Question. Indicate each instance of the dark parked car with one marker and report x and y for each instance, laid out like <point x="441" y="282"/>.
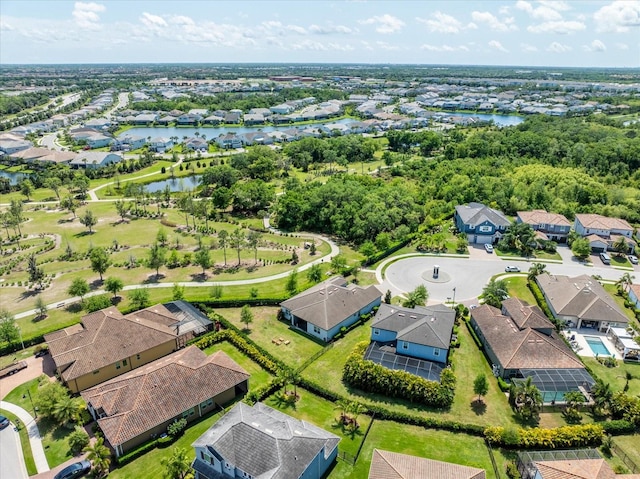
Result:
<point x="77" y="469"/>
<point x="4" y="422"/>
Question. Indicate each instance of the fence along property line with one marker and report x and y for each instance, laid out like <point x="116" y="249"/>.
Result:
<point x="633" y="467"/>
<point x="493" y="459"/>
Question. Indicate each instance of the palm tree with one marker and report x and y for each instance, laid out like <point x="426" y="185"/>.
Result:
<point x="620" y="246"/>
<point x="525" y="397"/>
<point x="495" y="292"/>
<point x="625" y="281"/>
<point x="536" y="270"/>
<point x="99" y="455"/>
<point x="602" y="394"/>
<point x="178" y="464"/>
<point x="67" y="410"/>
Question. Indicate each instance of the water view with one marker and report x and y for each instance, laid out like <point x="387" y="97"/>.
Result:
<point x="175" y="184"/>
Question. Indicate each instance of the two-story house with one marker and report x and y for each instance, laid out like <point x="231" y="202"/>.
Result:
<point x="602" y="231"/>
<point x="555" y="226"/>
<point x="480" y="223"/>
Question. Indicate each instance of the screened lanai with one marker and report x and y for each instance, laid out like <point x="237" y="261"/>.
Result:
<point x="554" y="383"/>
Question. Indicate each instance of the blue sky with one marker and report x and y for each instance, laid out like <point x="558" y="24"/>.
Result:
<point x="518" y="32"/>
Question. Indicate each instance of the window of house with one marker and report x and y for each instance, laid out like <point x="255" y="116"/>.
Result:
<point x="138" y="357"/>
<point x="436" y="352"/>
<point x="485" y="229"/>
<point x="124" y="362"/>
<point x="118" y="365"/>
<point x="376" y="331"/>
<point x="316" y="329"/>
<point x="96" y="371"/>
<point x="405" y="345"/>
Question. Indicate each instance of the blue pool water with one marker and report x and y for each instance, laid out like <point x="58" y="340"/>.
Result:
<point x="597" y="346"/>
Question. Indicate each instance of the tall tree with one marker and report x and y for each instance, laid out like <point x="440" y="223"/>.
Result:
<point x="9" y="332"/>
<point x="100" y="260"/>
<point x="536" y="269"/>
<point x="178" y="465"/>
<point x="157" y="258"/>
<point x="79" y="287"/>
<point x="625" y="281"/>
<point x="113" y="285"/>
<point x="237" y="240"/>
<point x="253" y="238"/>
<point x="89" y="220"/>
<point x="203" y="258"/>
<point x="26" y="188"/>
<point x="36" y="274"/>
<point x="223" y="238"/>
<point x="417" y="297"/>
<point x="525" y="397"/>
<point x="246" y="316"/>
<point x="495" y="292"/>
<point x="480" y="386"/>
<point x="54" y="183"/>
<point x="100" y="457"/>
<point x="581" y="248"/>
<point x="15" y="213"/>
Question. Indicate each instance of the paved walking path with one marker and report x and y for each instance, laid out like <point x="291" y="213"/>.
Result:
<point x="34" y="434"/>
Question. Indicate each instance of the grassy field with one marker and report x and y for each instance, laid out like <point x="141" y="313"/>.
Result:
<point x="266" y="327"/>
<point x="612" y="289"/>
<point x="24" y="441"/>
<point x="517" y="287"/>
<point x="468" y="362"/>
<point x="616" y="376"/>
<point x="259" y="377"/>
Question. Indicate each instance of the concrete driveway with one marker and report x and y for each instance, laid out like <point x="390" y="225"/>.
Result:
<point x="11" y="456"/>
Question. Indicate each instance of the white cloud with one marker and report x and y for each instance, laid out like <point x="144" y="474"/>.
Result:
<point x="86" y="14"/>
<point x="444" y="48"/>
<point x="557" y="47"/>
<point x="595" y="46"/>
<point x="618" y="16"/>
<point x="385" y="23"/>
<point x="319" y="46"/>
<point x="327" y="30"/>
<point x="622" y="46"/>
<point x="504" y="10"/>
<point x="386" y="46"/>
<point x="182" y="20"/>
<point x="562" y="27"/>
<point x="544" y="12"/>
<point x="493" y="22"/>
<point x="525" y="47"/>
<point x="297" y="29"/>
<point x="153" y="21"/>
<point x="5" y="26"/>
<point x="443" y="23"/>
<point x="496" y="45"/>
<point x="556" y="5"/>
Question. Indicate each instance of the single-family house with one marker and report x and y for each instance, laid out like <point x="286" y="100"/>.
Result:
<point x="166" y="120"/>
<point x="98" y="123"/>
<point x="581" y="302"/>
<point x="98" y="141"/>
<point x="160" y="144"/>
<point x="253" y="119"/>
<point x="634" y="295"/>
<point x="95" y="159"/>
<point x="422" y="332"/>
<point x="480" y="223"/>
<point x="233" y="118"/>
<point x="129" y="142"/>
<point x="392" y="465"/>
<point x="145" y="118"/>
<point x="566" y="464"/>
<point x="213" y="120"/>
<point x="603" y="226"/>
<point x="188" y="119"/>
<point x="282" y="109"/>
<point x="139" y="405"/>
<point x="196" y="144"/>
<point x="9" y="146"/>
<point x="519" y="341"/>
<point x="555" y="226"/>
<point x="44" y="155"/>
<point x="107" y="343"/>
<point x="256" y="138"/>
<point x="261" y="442"/>
<point x="229" y="141"/>
<point x="328" y="306"/>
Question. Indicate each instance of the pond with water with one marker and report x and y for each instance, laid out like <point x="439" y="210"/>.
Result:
<point x="185" y="183"/>
<point x="14" y="176"/>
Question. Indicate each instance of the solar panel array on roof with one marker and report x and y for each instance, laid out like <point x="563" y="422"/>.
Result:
<point x="425" y="369"/>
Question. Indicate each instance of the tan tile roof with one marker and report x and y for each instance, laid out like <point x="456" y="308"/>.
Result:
<point x="522" y="349"/>
<point x="391" y="465"/>
<point x="538" y="217"/>
<point x="139" y="400"/>
<point x="589" y="220"/>
<point x="331" y="302"/>
<point x="575" y="469"/>
<point x="580" y="297"/>
<point x="525" y="315"/>
<point x="104" y="338"/>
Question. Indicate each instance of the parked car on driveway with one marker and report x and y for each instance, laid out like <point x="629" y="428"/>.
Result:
<point x="512" y="269"/>
<point x="489" y="248"/>
<point x="77" y="469"/>
<point x="633" y="259"/>
<point x="4" y="422"/>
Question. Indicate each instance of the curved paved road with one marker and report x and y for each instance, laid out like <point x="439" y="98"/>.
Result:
<point x="34" y="435"/>
<point x="11" y="456"/>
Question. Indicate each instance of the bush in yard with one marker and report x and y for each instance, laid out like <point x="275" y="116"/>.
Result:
<point x="512" y="471"/>
<point x="585" y="435"/>
<point x="176" y="427"/>
<point x="96" y="303"/>
<point x="78" y="439"/>
<point x="623" y="406"/>
<point x="371" y="377"/>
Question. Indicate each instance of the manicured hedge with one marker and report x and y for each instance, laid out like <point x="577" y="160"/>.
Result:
<point x="374" y="378"/>
<point x="583" y="435"/>
<point x="537" y="293"/>
<point x="617" y="427"/>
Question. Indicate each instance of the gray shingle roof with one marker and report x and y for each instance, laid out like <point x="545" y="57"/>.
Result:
<point x="429" y="326"/>
<point x="266" y="443"/>
<point x="474" y="214"/>
<point x="329" y="303"/>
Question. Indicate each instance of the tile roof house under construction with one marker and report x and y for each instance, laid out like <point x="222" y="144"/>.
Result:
<point x="107" y="343"/>
<point x="326" y="307"/>
<point x="139" y="405"/>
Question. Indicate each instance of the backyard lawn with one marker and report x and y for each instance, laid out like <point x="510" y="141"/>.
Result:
<point x="616" y="376"/>
<point x="259" y="377"/>
<point x="517" y="287"/>
<point x="266" y="327"/>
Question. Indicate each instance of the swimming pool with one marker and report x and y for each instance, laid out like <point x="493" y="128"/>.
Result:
<point x="597" y="346"/>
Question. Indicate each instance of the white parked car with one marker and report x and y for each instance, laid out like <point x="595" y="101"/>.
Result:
<point x="512" y="269"/>
<point x="633" y="259"/>
<point x="489" y="248"/>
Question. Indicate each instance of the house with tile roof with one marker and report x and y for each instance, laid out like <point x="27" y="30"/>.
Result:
<point x="581" y="302"/>
<point x="261" y="442"/>
<point x="567" y="464"/>
<point x="391" y="465"/>
<point x="328" y="306"/>
<point x="554" y="226"/>
<point x="603" y="231"/>
<point x="420" y="332"/>
<point x="139" y="405"/>
<point x="480" y="223"/>
<point x="519" y="341"/>
<point x="107" y="343"/>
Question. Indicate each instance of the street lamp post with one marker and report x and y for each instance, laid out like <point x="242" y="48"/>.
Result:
<point x="35" y="410"/>
<point x="20" y="333"/>
<point x="454" y="297"/>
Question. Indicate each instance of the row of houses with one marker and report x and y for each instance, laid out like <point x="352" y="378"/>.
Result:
<point x="485" y="225"/>
<point x="82" y="159"/>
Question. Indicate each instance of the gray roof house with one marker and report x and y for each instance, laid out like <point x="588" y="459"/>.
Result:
<point x="420" y="332"/>
<point x="581" y="302"/>
<point x="480" y="223"/>
<point x="260" y="442"/>
<point x="328" y="306"/>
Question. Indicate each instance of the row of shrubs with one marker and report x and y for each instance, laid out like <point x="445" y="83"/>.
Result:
<point x="374" y="378"/>
<point x="537" y="294"/>
<point x="583" y="435"/>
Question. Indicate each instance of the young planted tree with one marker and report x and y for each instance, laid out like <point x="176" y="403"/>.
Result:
<point x="122" y="209"/>
<point x="292" y="282"/>
<point x="157" y="258"/>
<point x="79" y="287"/>
<point x="253" y="238"/>
<point x="139" y="298"/>
<point x="314" y="273"/>
<point x="387" y="297"/>
<point x="480" y="386"/>
<point x="162" y="238"/>
<point x="100" y="260"/>
<point x="223" y="241"/>
<point x="36" y="274"/>
<point x="178" y="465"/>
<point x="26" y="188"/>
<point x="338" y="264"/>
<point x="54" y="185"/>
<point x="113" y="285"/>
<point x="246" y="316"/>
<point x="237" y="240"/>
<point x="203" y="259"/>
<point x="69" y="203"/>
<point x="620" y="246"/>
<point x="41" y="308"/>
<point x="9" y="332"/>
<point x="178" y="292"/>
<point x="89" y="220"/>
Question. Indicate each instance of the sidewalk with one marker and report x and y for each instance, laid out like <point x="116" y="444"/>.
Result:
<point x="34" y="435"/>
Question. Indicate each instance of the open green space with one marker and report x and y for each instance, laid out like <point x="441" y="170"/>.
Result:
<point x="616" y="376"/>
<point x="517" y="287"/>
<point x="24" y="441"/>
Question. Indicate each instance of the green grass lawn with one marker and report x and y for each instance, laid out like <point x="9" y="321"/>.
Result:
<point x="616" y="376"/>
<point x="439" y="445"/>
<point x="629" y="446"/>
<point x="322" y="413"/>
<point x="612" y="289"/>
<point x="259" y="377"/>
<point x="24" y="442"/>
<point x="266" y="327"/>
<point x="517" y="287"/>
<point x="468" y="362"/>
